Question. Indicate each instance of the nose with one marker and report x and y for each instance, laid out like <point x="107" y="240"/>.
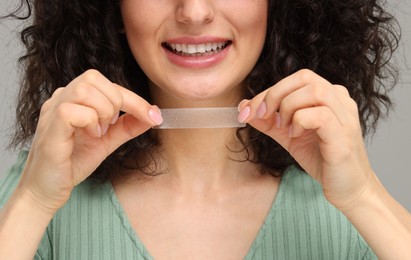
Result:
<point x="195" y="12"/>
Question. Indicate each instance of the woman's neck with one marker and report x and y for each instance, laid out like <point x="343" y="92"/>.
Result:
<point x="204" y="159"/>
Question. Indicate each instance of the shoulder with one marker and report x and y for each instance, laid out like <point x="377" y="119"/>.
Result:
<point x="318" y="229"/>
<point x="92" y="225"/>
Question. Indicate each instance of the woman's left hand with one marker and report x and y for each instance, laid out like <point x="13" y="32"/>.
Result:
<point x="318" y="124"/>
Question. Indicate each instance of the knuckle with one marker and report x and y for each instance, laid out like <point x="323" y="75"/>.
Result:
<point x="271" y="94"/>
<point x="117" y="102"/>
<point x="298" y="116"/>
<point x="306" y="75"/>
<point x="57" y="92"/>
<point x="272" y="99"/>
<point x="284" y="107"/>
<point x="46" y="106"/>
<point x="107" y="114"/>
<point x="352" y="106"/>
<point x="91" y="75"/>
<point x="342" y="90"/>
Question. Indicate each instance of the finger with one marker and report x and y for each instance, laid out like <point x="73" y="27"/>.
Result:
<point x="73" y="116"/>
<point x="323" y="121"/>
<point x="56" y="130"/>
<point x="57" y="92"/>
<point x="126" y="128"/>
<point x="88" y="95"/>
<point x="343" y="91"/>
<point x="349" y="102"/>
<point x="138" y="118"/>
<point x="139" y="108"/>
<point x="100" y="82"/>
<point x="267" y="103"/>
<point x="94" y="90"/>
<point x="109" y="90"/>
<point x="310" y="96"/>
<point x="108" y="99"/>
<point x="268" y="127"/>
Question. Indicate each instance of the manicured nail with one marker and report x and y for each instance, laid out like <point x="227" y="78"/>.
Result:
<point x="262" y="109"/>
<point x="244" y="114"/>
<point x="241" y="103"/>
<point x="155" y="115"/>
<point x="114" y="119"/>
<point x="278" y="120"/>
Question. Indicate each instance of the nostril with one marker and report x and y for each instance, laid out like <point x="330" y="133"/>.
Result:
<point x="195" y="12"/>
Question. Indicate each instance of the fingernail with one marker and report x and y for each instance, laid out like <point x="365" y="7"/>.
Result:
<point x="114" y="119"/>
<point x="241" y="103"/>
<point x="278" y="120"/>
<point x="155" y="115"/>
<point x="244" y="114"/>
<point x="290" y="132"/>
<point x="99" y="130"/>
<point x="262" y="109"/>
<point x="104" y="130"/>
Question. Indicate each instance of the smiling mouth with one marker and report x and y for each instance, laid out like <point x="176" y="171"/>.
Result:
<point x="203" y="49"/>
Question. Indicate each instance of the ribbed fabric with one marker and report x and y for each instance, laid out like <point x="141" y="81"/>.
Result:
<point x="301" y="224"/>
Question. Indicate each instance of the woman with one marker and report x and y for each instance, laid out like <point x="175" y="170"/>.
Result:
<point x="99" y="183"/>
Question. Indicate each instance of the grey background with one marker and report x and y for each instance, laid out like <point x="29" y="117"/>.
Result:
<point x="388" y="148"/>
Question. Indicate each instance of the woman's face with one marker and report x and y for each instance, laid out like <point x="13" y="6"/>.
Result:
<point x="195" y="52"/>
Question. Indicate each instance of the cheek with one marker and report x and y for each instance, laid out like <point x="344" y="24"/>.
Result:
<point x="138" y="19"/>
<point x="251" y="24"/>
<point x="250" y="21"/>
<point x="247" y="14"/>
<point x="139" y="28"/>
<point x="257" y="20"/>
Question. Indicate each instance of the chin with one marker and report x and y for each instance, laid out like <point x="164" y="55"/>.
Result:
<point x="196" y="90"/>
<point x="199" y="98"/>
<point x="195" y="94"/>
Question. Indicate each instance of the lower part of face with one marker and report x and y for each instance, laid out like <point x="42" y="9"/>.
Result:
<point x="195" y="52"/>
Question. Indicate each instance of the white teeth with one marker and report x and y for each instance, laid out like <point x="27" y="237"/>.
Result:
<point x="214" y="46"/>
<point x="183" y="48"/>
<point x="201" y="48"/>
<point x="191" y="49"/>
<point x="197" y="48"/>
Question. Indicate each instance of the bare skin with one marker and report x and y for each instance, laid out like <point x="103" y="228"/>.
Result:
<point x="321" y="132"/>
<point x="317" y="124"/>
<point x="193" y="212"/>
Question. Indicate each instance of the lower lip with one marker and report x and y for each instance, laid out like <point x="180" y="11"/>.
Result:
<point x="197" y="61"/>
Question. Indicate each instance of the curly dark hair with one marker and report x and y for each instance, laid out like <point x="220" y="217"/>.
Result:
<point x="348" y="42"/>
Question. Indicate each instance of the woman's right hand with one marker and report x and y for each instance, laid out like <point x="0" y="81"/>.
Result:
<point x="79" y="126"/>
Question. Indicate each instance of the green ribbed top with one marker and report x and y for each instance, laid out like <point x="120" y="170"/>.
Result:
<point x="301" y="224"/>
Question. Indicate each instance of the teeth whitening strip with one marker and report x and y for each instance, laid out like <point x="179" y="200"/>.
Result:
<point x="215" y="117"/>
